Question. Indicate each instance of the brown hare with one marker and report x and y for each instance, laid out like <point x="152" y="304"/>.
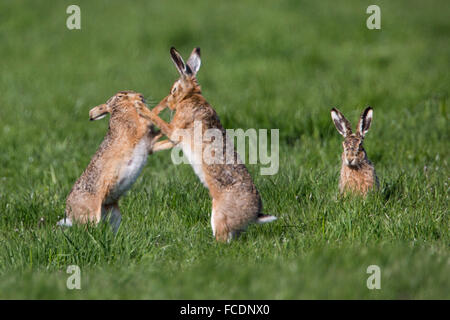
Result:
<point x="357" y="172"/>
<point x="116" y="164"/>
<point x="235" y="199"/>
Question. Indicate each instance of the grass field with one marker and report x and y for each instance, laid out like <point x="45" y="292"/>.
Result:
<point x="265" y="65"/>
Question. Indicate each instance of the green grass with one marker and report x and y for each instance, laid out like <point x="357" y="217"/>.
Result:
<point x="264" y="65"/>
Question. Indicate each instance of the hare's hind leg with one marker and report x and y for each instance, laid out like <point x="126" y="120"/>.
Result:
<point x="82" y="210"/>
<point x="111" y="213"/>
<point x="213" y="223"/>
<point x="220" y="230"/>
<point x="65" y="222"/>
<point x="219" y="224"/>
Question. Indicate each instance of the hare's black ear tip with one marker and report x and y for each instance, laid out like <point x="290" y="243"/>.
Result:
<point x="333" y="109"/>
<point x="172" y="50"/>
<point x="197" y="50"/>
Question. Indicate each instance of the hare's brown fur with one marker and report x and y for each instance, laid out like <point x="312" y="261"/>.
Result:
<point x="235" y="199"/>
<point x="358" y="174"/>
<point x="359" y="179"/>
<point x="117" y="162"/>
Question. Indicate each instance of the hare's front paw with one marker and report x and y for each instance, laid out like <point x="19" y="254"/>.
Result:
<point x="143" y="111"/>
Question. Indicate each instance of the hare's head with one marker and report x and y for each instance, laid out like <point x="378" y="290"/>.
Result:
<point x="187" y="84"/>
<point x="121" y="103"/>
<point x="354" y="153"/>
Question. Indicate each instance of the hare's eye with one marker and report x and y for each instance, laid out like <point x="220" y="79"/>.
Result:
<point x="174" y="89"/>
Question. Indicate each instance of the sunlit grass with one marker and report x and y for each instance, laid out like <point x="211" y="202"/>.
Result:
<point x="264" y="65"/>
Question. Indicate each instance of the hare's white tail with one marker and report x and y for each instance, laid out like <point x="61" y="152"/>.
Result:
<point x="265" y="218"/>
<point x="65" y="222"/>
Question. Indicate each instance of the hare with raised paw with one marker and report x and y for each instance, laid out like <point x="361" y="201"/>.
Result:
<point x="116" y="164"/>
<point x="235" y="200"/>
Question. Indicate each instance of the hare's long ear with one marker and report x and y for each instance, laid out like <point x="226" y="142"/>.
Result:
<point x="341" y="123"/>
<point x="178" y="61"/>
<point x="194" y="61"/>
<point x="365" y="121"/>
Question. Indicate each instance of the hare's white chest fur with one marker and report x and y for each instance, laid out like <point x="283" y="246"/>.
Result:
<point x="130" y="169"/>
<point x="195" y="159"/>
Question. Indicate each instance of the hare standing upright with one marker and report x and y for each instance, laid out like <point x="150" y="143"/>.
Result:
<point x="357" y="172"/>
<point x="116" y="164"/>
<point x="235" y="199"/>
